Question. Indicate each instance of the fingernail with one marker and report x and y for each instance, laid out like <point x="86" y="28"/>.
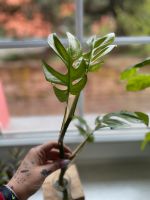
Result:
<point x="64" y="163"/>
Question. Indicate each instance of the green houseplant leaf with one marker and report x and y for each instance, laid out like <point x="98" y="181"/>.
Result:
<point x="121" y="119"/>
<point x="84" y="129"/>
<point x="76" y="63"/>
<point x="135" y="80"/>
<point x="99" y="47"/>
<point x="75" y="78"/>
<point x="74" y="48"/>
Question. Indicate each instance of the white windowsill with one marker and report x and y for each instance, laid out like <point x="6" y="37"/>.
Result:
<point x="36" y="130"/>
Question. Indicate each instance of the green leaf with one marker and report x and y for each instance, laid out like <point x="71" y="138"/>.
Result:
<point x="58" y="47"/>
<point x="100" y="47"/>
<point x="81" y="130"/>
<point x="95" y="67"/>
<point x="91" y="40"/>
<point x="102" y="53"/>
<point x="145" y="141"/>
<point x="52" y="75"/>
<point x="138" y="82"/>
<point x="62" y="95"/>
<point x="78" y="64"/>
<point x="78" y="72"/>
<point x="114" y="123"/>
<point x="143" y="117"/>
<point x="77" y="87"/>
<point x="128" y="73"/>
<point x="81" y="120"/>
<point x="146" y="62"/>
<point x="121" y="119"/>
<point x="107" y="39"/>
<point x="134" y="117"/>
<point x="75" y="50"/>
<point x="84" y="129"/>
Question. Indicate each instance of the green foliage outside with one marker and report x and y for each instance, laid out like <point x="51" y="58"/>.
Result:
<point x="137" y="81"/>
<point x="8" y="167"/>
<point x="134" y="17"/>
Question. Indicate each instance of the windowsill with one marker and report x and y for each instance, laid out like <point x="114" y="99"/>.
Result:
<point x="35" y="130"/>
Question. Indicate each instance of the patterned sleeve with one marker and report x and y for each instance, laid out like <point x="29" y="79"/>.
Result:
<point x="7" y="194"/>
<point x="1" y="196"/>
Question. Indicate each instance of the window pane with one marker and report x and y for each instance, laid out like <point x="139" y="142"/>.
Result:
<point x="35" y="18"/>
<point x="105" y="92"/>
<point x="122" y="17"/>
<point x="27" y="92"/>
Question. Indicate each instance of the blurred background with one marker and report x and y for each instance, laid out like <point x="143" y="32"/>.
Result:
<point x="26" y="90"/>
<point x="28" y="94"/>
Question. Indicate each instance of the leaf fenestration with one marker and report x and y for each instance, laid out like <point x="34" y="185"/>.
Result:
<point x="62" y="95"/>
<point x="77" y="63"/>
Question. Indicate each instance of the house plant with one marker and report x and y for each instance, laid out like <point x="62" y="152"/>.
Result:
<point x="68" y="86"/>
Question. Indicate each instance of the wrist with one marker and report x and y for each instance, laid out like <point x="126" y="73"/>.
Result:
<point x="8" y="193"/>
<point x="17" y="190"/>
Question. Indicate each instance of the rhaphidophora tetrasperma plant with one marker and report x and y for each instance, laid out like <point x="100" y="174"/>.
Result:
<point x="68" y="86"/>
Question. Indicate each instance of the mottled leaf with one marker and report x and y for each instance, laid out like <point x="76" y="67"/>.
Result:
<point x="107" y="39"/>
<point x="78" y="72"/>
<point x="62" y="95"/>
<point x="84" y="129"/>
<point x="58" y="47"/>
<point x="52" y="75"/>
<point x="77" y="87"/>
<point x="74" y="49"/>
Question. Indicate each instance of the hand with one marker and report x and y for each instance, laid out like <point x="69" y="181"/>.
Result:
<point x="39" y="162"/>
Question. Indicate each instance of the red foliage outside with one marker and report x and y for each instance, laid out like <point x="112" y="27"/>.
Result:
<point x="25" y="21"/>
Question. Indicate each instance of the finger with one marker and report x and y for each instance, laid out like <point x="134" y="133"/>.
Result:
<point x="50" y="145"/>
<point x="55" y="155"/>
<point x="50" y="168"/>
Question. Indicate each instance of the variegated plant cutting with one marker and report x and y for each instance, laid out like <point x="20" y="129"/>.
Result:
<point x="68" y="86"/>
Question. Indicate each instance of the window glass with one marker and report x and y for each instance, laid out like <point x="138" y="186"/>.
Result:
<point x="27" y="92"/>
<point x="35" y="18"/>
<point x="105" y="92"/>
<point x="122" y="17"/>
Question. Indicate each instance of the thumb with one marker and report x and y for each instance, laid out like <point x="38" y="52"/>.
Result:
<point x="50" y="168"/>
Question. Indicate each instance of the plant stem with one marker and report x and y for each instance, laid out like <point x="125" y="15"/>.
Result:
<point x="79" y="147"/>
<point x="69" y="113"/>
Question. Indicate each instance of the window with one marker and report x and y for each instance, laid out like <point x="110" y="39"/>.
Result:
<point x="27" y="91"/>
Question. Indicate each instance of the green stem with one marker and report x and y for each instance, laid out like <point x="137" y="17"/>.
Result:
<point x="79" y="147"/>
<point x="66" y="121"/>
